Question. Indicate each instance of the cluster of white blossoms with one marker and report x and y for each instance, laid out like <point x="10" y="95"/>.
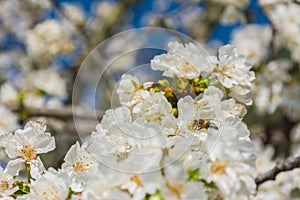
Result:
<point x="37" y="89"/>
<point x="269" y="86"/>
<point x="178" y="138"/>
<point x="273" y="51"/>
<point x="287" y="24"/>
<point x="233" y="11"/>
<point x="182" y="137"/>
<point x="47" y="40"/>
<point x="286" y="184"/>
<point x="229" y="69"/>
<point x="253" y="41"/>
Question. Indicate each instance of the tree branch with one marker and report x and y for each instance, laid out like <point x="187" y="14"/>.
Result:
<point x="68" y="126"/>
<point x="281" y="166"/>
<point x="79" y="29"/>
<point x="62" y="113"/>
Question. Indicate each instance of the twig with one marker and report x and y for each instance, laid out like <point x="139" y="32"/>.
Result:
<point x="79" y="29"/>
<point x="210" y="18"/>
<point x="63" y="113"/>
<point x="68" y="126"/>
<point x="281" y="166"/>
<point x="107" y="29"/>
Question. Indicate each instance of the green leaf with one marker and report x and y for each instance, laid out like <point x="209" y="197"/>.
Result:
<point x="155" y="196"/>
<point x="208" y="184"/>
<point x="193" y="174"/>
<point x="24" y="188"/>
<point x="163" y="82"/>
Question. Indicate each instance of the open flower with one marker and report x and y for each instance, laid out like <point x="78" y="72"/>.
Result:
<point x="230" y="166"/>
<point x="25" y="145"/>
<point x="50" y="82"/>
<point x="233" y="72"/>
<point x="78" y="163"/>
<point x="51" y="185"/>
<point x="183" y="60"/>
<point x="130" y="91"/>
<point x="6" y="184"/>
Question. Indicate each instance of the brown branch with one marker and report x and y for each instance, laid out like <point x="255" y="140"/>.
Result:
<point x="281" y="166"/>
<point x="62" y="113"/>
<point x="79" y="29"/>
<point x="210" y="18"/>
<point x="274" y="33"/>
<point x="107" y="29"/>
<point x="68" y="126"/>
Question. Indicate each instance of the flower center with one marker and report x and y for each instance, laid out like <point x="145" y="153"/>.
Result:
<point x="3" y="185"/>
<point x="175" y="189"/>
<point x="80" y="166"/>
<point x="219" y="167"/>
<point x="188" y="67"/>
<point x="136" y="180"/>
<point x="28" y="153"/>
<point x="137" y="96"/>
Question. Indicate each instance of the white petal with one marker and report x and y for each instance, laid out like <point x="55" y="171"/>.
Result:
<point x="14" y="166"/>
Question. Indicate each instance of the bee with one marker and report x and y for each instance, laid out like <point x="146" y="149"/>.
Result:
<point x="203" y="124"/>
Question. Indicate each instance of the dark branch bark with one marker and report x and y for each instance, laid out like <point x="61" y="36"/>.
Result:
<point x="63" y="112"/>
<point x="68" y="126"/>
<point x="281" y="166"/>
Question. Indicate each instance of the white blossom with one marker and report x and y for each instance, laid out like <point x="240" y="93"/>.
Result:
<point x="264" y="161"/>
<point x="48" y="39"/>
<point x="74" y="13"/>
<point x="253" y="41"/>
<point x="9" y="95"/>
<point x="290" y="101"/>
<point x="285" y="186"/>
<point x="78" y="163"/>
<point x="6" y="184"/>
<point x="50" y="82"/>
<point x="230" y="166"/>
<point x="233" y="72"/>
<point x="131" y="91"/>
<point x="8" y="120"/>
<point x="51" y="185"/>
<point x="25" y="145"/>
<point x="187" y="61"/>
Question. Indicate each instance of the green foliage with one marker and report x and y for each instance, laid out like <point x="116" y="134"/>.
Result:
<point x="193" y="174"/>
<point x="24" y="188"/>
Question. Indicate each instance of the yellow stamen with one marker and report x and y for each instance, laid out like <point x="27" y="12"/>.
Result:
<point x="28" y="153"/>
<point x="219" y="167"/>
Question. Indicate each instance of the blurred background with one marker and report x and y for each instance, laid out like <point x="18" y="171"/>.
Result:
<point x="44" y="43"/>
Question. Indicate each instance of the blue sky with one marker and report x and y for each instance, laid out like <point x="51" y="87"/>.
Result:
<point x="221" y="32"/>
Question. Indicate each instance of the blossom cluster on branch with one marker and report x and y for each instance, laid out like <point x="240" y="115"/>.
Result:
<point x="184" y="136"/>
<point x="178" y="138"/>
